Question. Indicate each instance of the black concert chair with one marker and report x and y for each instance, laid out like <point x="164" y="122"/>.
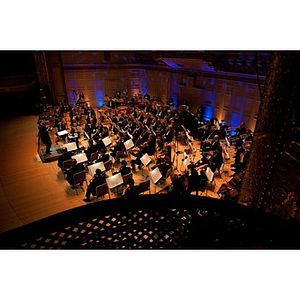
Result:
<point x="120" y="154"/>
<point x="108" y="165"/>
<point x="125" y="181"/>
<point x="102" y="190"/>
<point x="93" y="157"/>
<point x="127" y="177"/>
<point x="79" y="178"/>
<point x="66" y="165"/>
<point x="144" y="186"/>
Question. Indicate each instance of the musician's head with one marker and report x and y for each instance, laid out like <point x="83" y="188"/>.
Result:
<point x="130" y="182"/>
<point x="167" y="158"/>
<point x="98" y="172"/>
<point x="190" y="167"/>
<point x="124" y="163"/>
<point x="216" y="137"/>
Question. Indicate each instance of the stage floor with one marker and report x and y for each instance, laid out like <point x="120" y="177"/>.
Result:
<point x="32" y="189"/>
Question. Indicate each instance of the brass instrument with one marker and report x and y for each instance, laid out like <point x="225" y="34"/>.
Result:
<point x="235" y="138"/>
<point x="190" y="139"/>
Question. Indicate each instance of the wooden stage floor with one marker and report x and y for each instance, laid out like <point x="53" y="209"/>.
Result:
<point x="31" y="190"/>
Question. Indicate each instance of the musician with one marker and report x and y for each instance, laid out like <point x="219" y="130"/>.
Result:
<point x="148" y="119"/>
<point x="169" y="134"/>
<point x="211" y="146"/>
<point x="165" y="151"/>
<point x="241" y="129"/>
<point x="192" y="178"/>
<point x="90" y="127"/>
<point x="164" y="166"/>
<point x="75" y="169"/>
<point x="98" y="179"/>
<point x="171" y="102"/>
<point x="65" y="156"/>
<point x="103" y="156"/>
<point x="124" y="169"/>
<point x="241" y="158"/>
<point x="178" y="186"/>
<point x="118" y="94"/>
<point x="60" y="127"/>
<point x="150" y="144"/>
<point x="146" y="96"/>
<point x="138" y="156"/>
<point x="249" y="136"/>
<point x="216" y="160"/>
<point x="170" y="114"/>
<point x="44" y="136"/>
<point x="90" y="149"/>
<point x="143" y="137"/>
<point x="132" y="190"/>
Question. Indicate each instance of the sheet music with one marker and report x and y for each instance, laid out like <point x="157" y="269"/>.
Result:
<point x="80" y="158"/>
<point x="145" y="159"/>
<point x="129" y="144"/>
<point x="155" y="175"/>
<point x="115" y="180"/>
<point x="70" y="146"/>
<point x="63" y="132"/>
<point x="92" y="168"/>
<point x="107" y="141"/>
<point x="209" y="174"/>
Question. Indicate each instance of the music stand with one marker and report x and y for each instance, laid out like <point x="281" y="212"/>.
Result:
<point x="70" y="146"/>
<point x="155" y="176"/>
<point x="80" y="157"/>
<point x="62" y="132"/>
<point x="92" y="168"/>
<point x="107" y="141"/>
<point x="209" y="174"/>
<point x="146" y="160"/>
<point x="114" y="181"/>
<point x="128" y="144"/>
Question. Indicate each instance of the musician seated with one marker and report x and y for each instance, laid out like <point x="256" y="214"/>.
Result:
<point x="165" y="151"/>
<point x="91" y="149"/>
<point x="103" y="156"/>
<point x="99" y="178"/>
<point x="164" y="166"/>
<point x="75" y="169"/>
<point x="132" y="190"/>
<point x="65" y="156"/>
<point x="169" y="134"/>
<point x="124" y="170"/>
<point x="207" y="146"/>
<point x="216" y="160"/>
<point x="178" y="186"/>
<point x="137" y="161"/>
<point x="119" y="146"/>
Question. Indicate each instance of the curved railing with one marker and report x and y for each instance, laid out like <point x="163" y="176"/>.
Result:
<point x="157" y="222"/>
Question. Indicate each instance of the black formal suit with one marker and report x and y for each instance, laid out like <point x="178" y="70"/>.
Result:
<point x="75" y="169"/>
<point x="63" y="157"/>
<point x="44" y="136"/>
<point x="98" y="180"/>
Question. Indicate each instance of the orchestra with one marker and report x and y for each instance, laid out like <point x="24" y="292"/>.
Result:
<point x="155" y="129"/>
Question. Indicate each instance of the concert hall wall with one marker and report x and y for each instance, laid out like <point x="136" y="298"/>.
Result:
<point x="230" y="97"/>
